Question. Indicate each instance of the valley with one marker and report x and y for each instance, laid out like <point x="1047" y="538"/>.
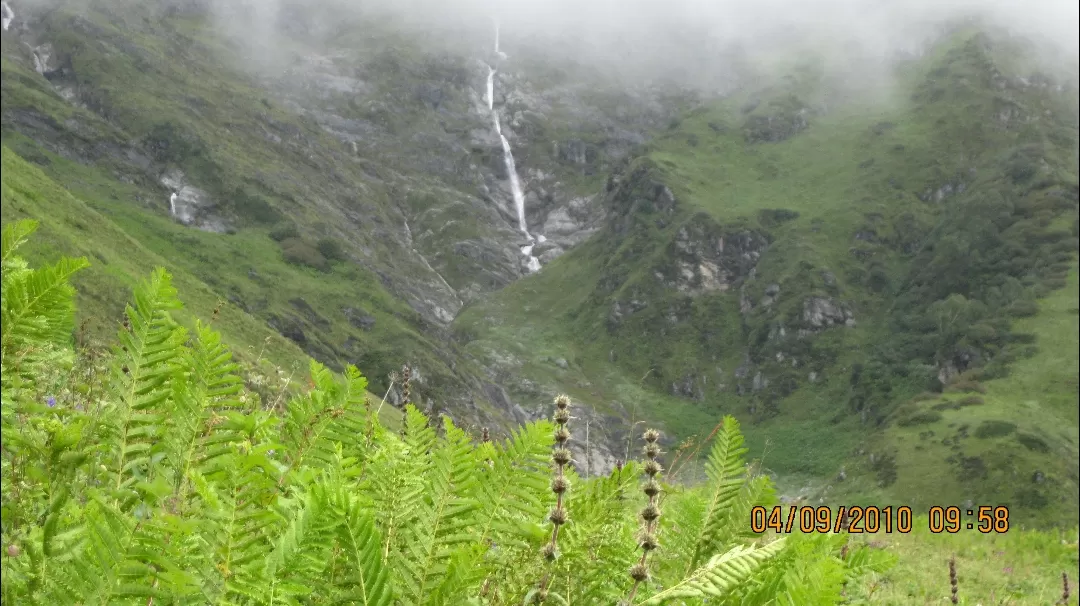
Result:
<point x="881" y="287"/>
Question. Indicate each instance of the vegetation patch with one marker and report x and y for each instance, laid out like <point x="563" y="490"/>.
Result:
<point x="319" y="501"/>
<point x="1032" y="442"/>
<point x="994" y="429"/>
<point x="920" y="418"/>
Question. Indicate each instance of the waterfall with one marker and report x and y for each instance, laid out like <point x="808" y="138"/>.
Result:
<point x="498" y="53"/>
<point x="9" y="16"/>
<point x="508" y="158"/>
<point x="41" y="58"/>
<point x="172" y="204"/>
<point x="515" y="182"/>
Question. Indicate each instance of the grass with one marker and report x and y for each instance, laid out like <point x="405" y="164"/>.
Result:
<point x="117" y="260"/>
<point x="1038" y="398"/>
<point x="1014" y="568"/>
<point x="223" y="116"/>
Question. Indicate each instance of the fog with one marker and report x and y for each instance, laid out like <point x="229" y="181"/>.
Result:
<point x="691" y="40"/>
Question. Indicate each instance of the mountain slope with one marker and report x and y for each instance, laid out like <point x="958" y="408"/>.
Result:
<point x="118" y="261"/>
<point x="349" y="192"/>
<point x="817" y="264"/>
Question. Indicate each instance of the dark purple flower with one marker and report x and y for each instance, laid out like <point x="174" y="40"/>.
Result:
<point x="50" y="401"/>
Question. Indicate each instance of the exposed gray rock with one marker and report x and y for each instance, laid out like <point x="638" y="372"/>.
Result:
<point x="709" y="259"/>
<point x="559" y="223"/>
<point x="359" y="319"/>
<point x="821" y="312"/>
<point x="190" y="205"/>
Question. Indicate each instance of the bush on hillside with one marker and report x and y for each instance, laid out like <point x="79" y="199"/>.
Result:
<point x="284" y="231"/>
<point x="994" y="429"/>
<point x="331" y="249"/>
<point x="298" y="252"/>
<point x="252" y="208"/>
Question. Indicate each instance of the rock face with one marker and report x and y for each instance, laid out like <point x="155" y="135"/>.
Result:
<point x="191" y="205"/>
<point x="710" y="259"/>
<point x="820" y="312"/>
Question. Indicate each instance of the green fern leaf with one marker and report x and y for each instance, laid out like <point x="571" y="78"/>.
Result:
<point x="725" y="469"/>
<point x="720" y="575"/>
<point x="443" y="517"/>
<point x="512" y="488"/>
<point x="368" y="581"/>
<point x="36" y="312"/>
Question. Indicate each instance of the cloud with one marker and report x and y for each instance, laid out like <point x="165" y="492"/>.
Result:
<point x="695" y="41"/>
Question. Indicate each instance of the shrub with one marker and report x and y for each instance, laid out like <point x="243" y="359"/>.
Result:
<point x="1032" y="442"/>
<point x="252" y="208"/>
<point x="299" y="252"/>
<point x="965" y="386"/>
<point x="331" y="249"/>
<point x="771" y="217"/>
<point x="958" y="404"/>
<point x="920" y="418"/>
<point x="166" y="482"/>
<point x="284" y="231"/>
<point x="994" y="429"/>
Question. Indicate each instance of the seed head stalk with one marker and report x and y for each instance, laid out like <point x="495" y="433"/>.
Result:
<point x="650" y="515"/>
<point x="560" y="456"/>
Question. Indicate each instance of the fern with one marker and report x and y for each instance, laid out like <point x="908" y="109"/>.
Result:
<point x="720" y="574"/>
<point x="210" y="381"/>
<point x="368" y="580"/>
<point x="143" y="366"/>
<point x="725" y="469"/>
<point x="167" y="489"/>
<point x="442" y="519"/>
<point x="37" y="312"/>
<point x="510" y="488"/>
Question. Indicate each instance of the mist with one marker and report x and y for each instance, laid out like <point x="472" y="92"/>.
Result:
<point x="696" y="43"/>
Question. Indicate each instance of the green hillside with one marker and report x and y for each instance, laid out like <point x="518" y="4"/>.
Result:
<point x="817" y="266"/>
<point x="273" y="365"/>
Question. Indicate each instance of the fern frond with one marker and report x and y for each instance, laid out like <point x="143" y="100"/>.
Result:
<point x="37" y="311"/>
<point x="121" y="560"/>
<point x="237" y="515"/>
<point x="15" y="234"/>
<point x="328" y="415"/>
<point x="443" y="518"/>
<point x="600" y="538"/>
<point x="144" y="364"/>
<point x="395" y="483"/>
<point x="209" y="381"/>
<point x="368" y="580"/>
<point x="293" y="567"/>
<point x="512" y="488"/>
<point x="720" y="575"/>
<point x="725" y="469"/>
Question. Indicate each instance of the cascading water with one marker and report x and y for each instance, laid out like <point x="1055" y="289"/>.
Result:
<point x="508" y="157"/>
<point x="498" y="53"/>
<point x="172" y="204"/>
<point x="8" y="15"/>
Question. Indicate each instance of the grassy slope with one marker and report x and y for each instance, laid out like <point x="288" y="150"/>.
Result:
<point x="1018" y="567"/>
<point x="172" y="73"/>
<point x="858" y="165"/>
<point x="68" y="226"/>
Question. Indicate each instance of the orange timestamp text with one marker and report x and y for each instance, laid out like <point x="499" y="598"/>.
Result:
<point x="871" y="519"/>
<point x="854" y="519"/>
